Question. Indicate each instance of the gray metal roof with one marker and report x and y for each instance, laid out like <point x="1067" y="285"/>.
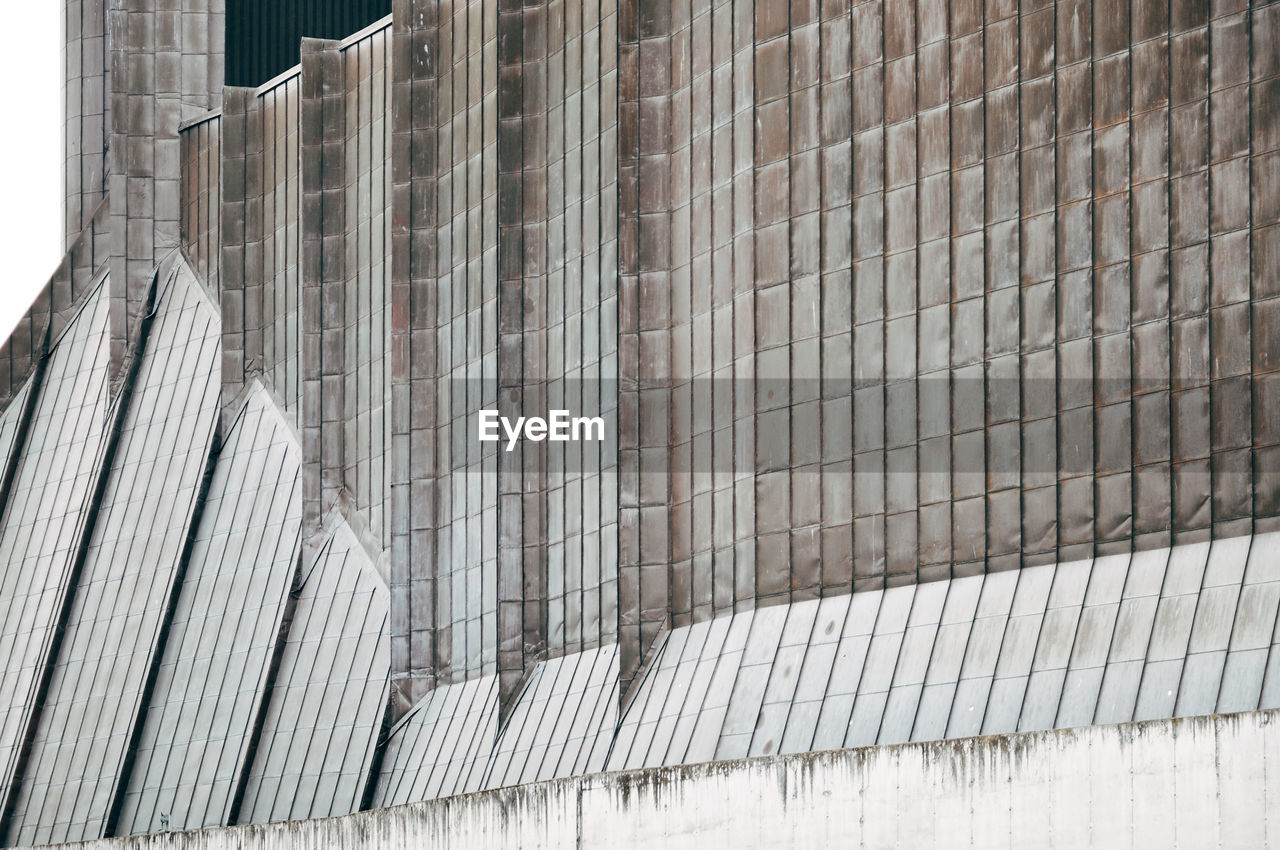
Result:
<point x="86" y="721"/>
<point x="330" y="695"/>
<point x="560" y="725"/>
<point x="1156" y="634"/>
<point x="213" y="676"/>
<point x="43" y="515"/>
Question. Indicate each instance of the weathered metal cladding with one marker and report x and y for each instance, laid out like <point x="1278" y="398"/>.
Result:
<point x="503" y="117"/>
<point x="414" y="143"/>
<point x="163" y="65"/>
<point x="201" y="183"/>
<point x="259" y="240"/>
<point x="86" y="112"/>
<point x="326" y="707"/>
<point x="57" y="470"/>
<point x="561" y="724"/>
<point x="81" y="733"/>
<point x="1153" y="635"/>
<point x="366" y="330"/>
<point x="1157" y="634"/>
<point x="444" y="745"/>
<point x="199" y="725"/>
<point x="581" y="305"/>
<point x="11" y="427"/>
<point x="460" y="513"/>
<point x="904" y="294"/>
<point x="930" y="290"/>
<point x="307" y="254"/>
<point x="281" y="239"/>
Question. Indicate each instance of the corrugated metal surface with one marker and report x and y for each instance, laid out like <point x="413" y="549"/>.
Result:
<point x="124" y="590"/>
<point x="43" y="517"/>
<point x="330" y="694"/>
<point x="213" y="676"/>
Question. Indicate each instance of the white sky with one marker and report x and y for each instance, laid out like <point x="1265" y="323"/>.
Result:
<point x="30" y="155"/>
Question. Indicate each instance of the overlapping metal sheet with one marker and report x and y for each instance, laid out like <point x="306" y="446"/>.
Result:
<point x="561" y="724"/>
<point x="443" y="746"/>
<point x="86" y="721"/>
<point x="1156" y="634"/>
<point x="213" y="676"/>
<point x="330" y="695"/>
<point x="40" y="531"/>
<point x="10" y="421"/>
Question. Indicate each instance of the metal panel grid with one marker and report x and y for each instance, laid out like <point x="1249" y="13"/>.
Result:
<point x="582" y="322"/>
<point x="676" y="663"/>
<point x="1171" y="630"/>
<point x="1016" y="650"/>
<point x="556" y="723"/>
<point x="750" y="681"/>
<point x="278" y="107"/>
<point x="329" y="699"/>
<point x="367" y="242"/>
<point x="56" y="473"/>
<point x="466" y="350"/>
<point x="10" y="420"/>
<point x="1211" y="630"/>
<point x="1053" y="645"/>
<point x="1251" y="634"/>
<point x="694" y="653"/>
<point x="784" y="677"/>
<point x="443" y="746"/>
<point x="212" y="678"/>
<point x="1266" y="551"/>
<point x="877" y="670"/>
<point x="913" y="662"/>
<point x="846" y="670"/>
<point x="941" y="680"/>
<point x="124" y="590"/>
<point x="1092" y="645"/>
<point x="815" y="675"/>
<point x="982" y="654"/>
<point x="201" y="219"/>
<point x="1044" y="647"/>
<point x="1134" y="620"/>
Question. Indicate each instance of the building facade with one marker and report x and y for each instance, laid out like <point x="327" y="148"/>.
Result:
<point x="937" y="346"/>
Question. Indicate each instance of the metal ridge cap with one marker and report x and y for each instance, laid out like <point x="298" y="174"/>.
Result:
<point x="199" y="119"/>
<point x="278" y="80"/>
<point x="360" y="35"/>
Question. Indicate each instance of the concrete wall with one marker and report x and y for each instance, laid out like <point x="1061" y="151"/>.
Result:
<point x="1205" y="782"/>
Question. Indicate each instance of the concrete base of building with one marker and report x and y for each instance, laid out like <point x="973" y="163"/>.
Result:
<point x="1205" y="781"/>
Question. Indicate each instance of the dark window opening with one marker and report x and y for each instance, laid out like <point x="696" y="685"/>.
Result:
<point x="263" y="35"/>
